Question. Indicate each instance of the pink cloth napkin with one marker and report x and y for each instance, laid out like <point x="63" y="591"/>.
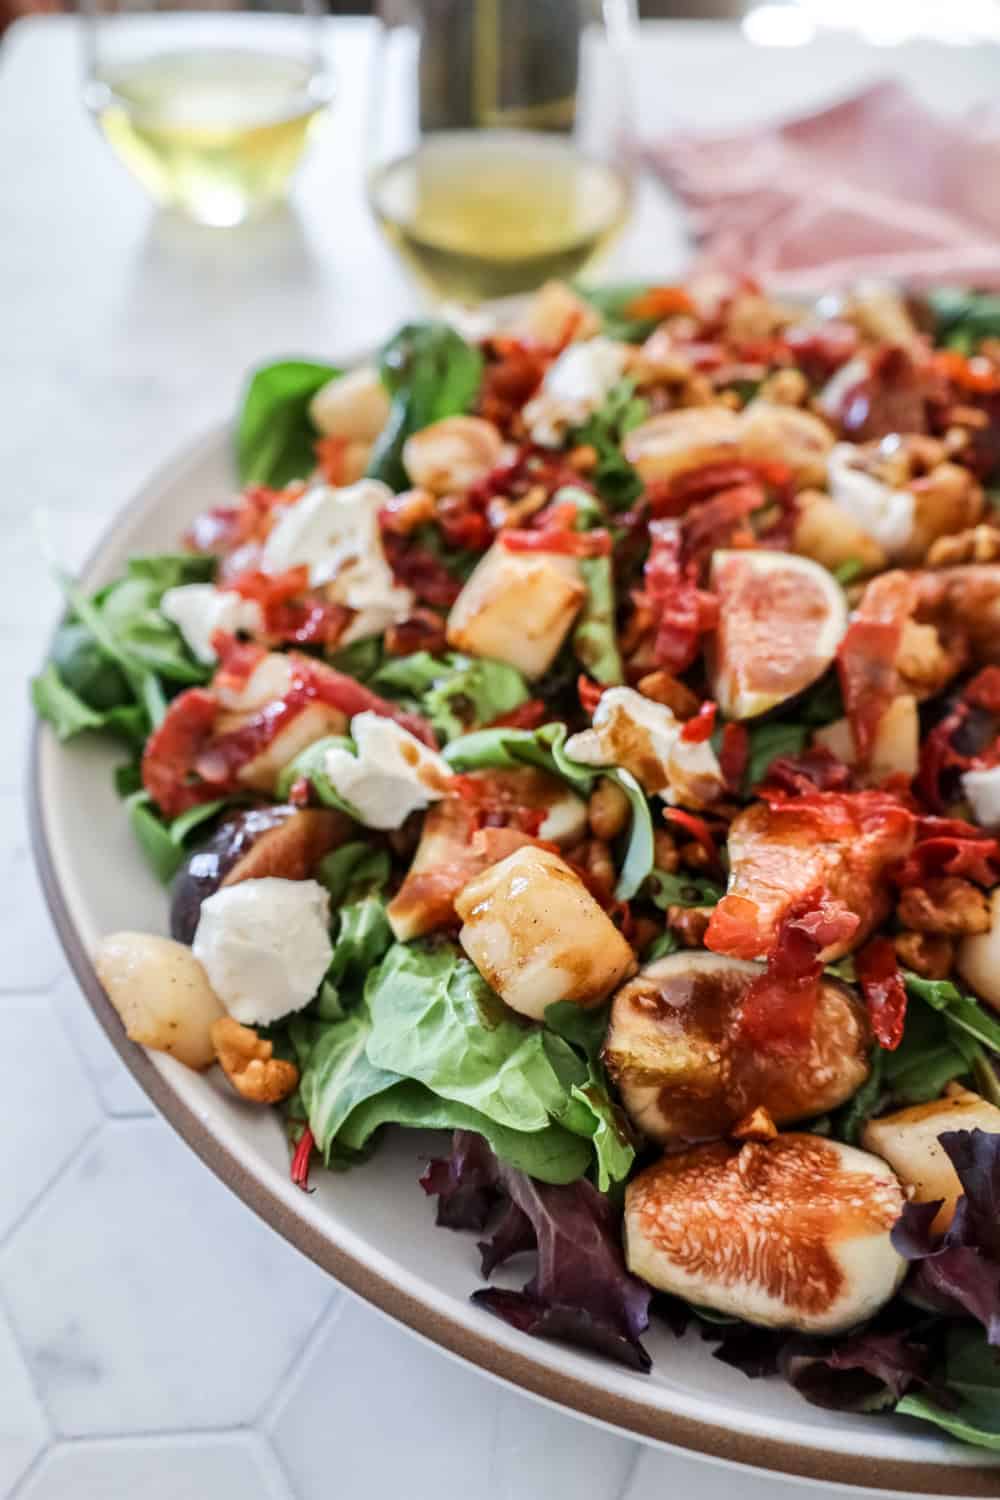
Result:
<point x="873" y="187"/>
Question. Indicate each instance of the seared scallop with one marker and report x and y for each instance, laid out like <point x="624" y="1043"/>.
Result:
<point x="908" y="1141"/>
<point x="788" y="1233"/>
<point x="537" y="935"/>
<point x="685" y="1073"/>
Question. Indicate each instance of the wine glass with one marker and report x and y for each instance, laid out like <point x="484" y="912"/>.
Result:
<point x="210" y="108"/>
<point x="497" y="138"/>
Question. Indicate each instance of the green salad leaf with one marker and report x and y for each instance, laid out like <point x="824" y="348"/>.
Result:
<point x="430" y="372"/>
<point x="310" y="763"/>
<point x="506" y="749"/>
<point x="274" y="434"/>
<point x="436" y="1019"/>
<point x="962" y="1013"/>
<point x="612" y="303"/>
<point x="617" y="482"/>
<point x="595" y="1112"/>
<point x="551" y="1155"/>
<point x="595" y="634"/>
<point x="164" y="845"/>
<point x="356" y="876"/>
<point x="963" y="318"/>
<point x="767" y="742"/>
<point x="682" y="890"/>
<point x="456" y="693"/>
<point x="971" y="1377"/>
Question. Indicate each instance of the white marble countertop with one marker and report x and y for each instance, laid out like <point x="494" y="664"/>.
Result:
<point x="155" y="1338"/>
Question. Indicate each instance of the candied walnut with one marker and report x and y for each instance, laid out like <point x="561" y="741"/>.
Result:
<point x="248" y="1062"/>
<point x="980" y="544"/>
<point x="607" y="810"/>
<point x="689" y="924"/>
<point x="665" y="855"/>
<point x="583" y="458"/>
<point x="670" y="691"/>
<point x="945" y="905"/>
<point x="403" y="513"/>
<point x="694" y="856"/>
<point x="785" y="388"/>
<point x="927" y="660"/>
<point x="599" y="868"/>
<point x="756" y="1126"/>
<point x="928" y="955"/>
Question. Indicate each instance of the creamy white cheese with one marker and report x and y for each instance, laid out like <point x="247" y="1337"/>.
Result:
<point x="265" y="946"/>
<point x="631" y="731"/>
<point x="575" y="386"/>
<point x="200" y="609"/>
<point x="982" y="791"/>
<point x="335" y="534"/>
<point x="392" y="775"/>
<point x="886" y="514"/>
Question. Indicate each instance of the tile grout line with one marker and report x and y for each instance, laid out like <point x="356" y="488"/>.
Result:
<point x="628" y="1482"/>
<point x="268" y="1413"/>
<point x="36" y="1392"/>
<point x="51" y="1182"/>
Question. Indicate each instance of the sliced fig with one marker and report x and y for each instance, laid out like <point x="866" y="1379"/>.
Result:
<point x="283" y="841"/>
<point x="781" y="619"/>
<point x="685" y="1073"/>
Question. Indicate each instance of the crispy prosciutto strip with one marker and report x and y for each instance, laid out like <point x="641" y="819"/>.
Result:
<point x="791" y="844"/>
<point x="292" y="614"/>
<point x="185" y="763"/>
<point x="884" y="991"/>
<point x="778" y="1008"/>
<point x="683" y="612"/>
<point x="950" y="846"/>
<point x="866" y="658"/>
<point x="734" y="755"/>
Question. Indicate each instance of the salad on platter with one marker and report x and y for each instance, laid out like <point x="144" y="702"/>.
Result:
<point x="585" y="739"/>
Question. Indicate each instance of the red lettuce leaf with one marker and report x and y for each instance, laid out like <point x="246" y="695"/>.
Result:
<point x="865" y="1372"/>
<point x="581" y="1291"/>
<point x="959" y="1273"/>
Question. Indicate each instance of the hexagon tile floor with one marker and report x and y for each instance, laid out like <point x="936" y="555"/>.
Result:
<point x="158" y="1340"/>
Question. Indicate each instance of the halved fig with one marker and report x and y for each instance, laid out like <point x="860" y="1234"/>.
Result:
<point x="686" y="1074"/>
<point x="781" y="619"/>
<point x="282" y="841"/>
<point x="788" y="1233"/>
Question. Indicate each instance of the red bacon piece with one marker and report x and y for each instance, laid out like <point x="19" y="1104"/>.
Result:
<point x="949" y="846"/>
<point x="790" y="845"/>
<point x="884" y="991"/>
<point x="173" y="748"/>
<point x="699" y="728"/>
<point x="815" y="770"/>
<point x="778" y="1007"/>
<point x="734" y="755"/>
<point x="683" y="611"/>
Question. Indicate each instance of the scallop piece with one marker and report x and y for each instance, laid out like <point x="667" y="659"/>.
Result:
<point x="908" y="1141"/>
<point x="686" y="1074"/>
<point x="788" y="1233"/>
<point x="978" y="957"/>
<point x="517" y="608"/>
<point x="677" y="441"/>
<point x="786" y="435"/>
<point x="537" y="935"/>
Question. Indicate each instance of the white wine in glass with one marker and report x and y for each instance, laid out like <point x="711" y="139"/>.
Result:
<point x="497" y="136"/>
<point x="210" y="111"/>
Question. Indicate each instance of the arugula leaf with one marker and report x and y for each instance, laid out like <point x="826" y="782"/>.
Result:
<point x="767" y="742"/>
<point x="850" y="1119"/>
<point x="617" y="482"/>
<point x="430" y="372"/>
<point x="361" y="940"/>
<point x="311" y="764"/>
<point x="667" y="890"/>
<point x="971" y="1375"/>
<point x="848" y="571"/>
<point x="611" y="302"/>
<point x="54" y="701"/>
<point x="338" y="1075"/>
<point x="171" y="570"/>
<point x="163" y="844"/>
<point x="506" y="749"/>
<point x="661" y="947"/>
<point x="274" y="433"/>
<point x="436" y="1019"/>
<point x="963" y="319"/>
<point x="456" y="693"/>
<point x="595" y="635"/>
<point x="961" y="1011"/>
<point x="361" y="659"/>
<point x="130" y="612"/>
<point x="87" y="670"/>
<point x="933" y="1053"/>
<point x="551" y="1155"/>
<point x="354" y="870"/>
<point x="595" y="1112"/>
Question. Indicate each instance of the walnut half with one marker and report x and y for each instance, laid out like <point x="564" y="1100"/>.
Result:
<point x="248" y="1063"/>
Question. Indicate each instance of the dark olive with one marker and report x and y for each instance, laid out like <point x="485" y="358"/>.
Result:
<point x="282" y="841"/>
<point x="85" y="668"/>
